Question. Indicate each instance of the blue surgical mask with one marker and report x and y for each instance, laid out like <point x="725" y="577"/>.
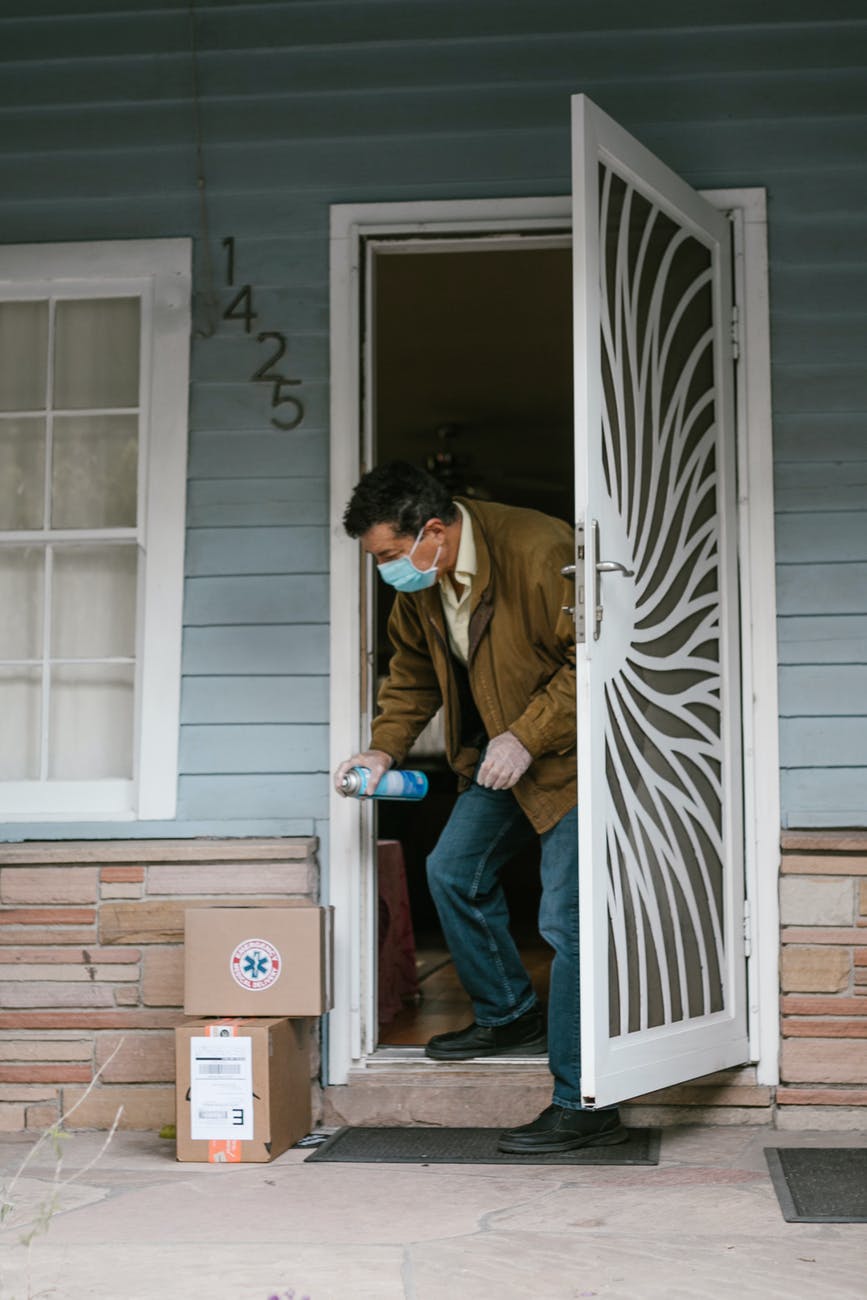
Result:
<point x="404" y="576"/>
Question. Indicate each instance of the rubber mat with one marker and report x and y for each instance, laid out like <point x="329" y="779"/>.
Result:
<point x="820" y="1184"/>
<point x="470" y="1146"/>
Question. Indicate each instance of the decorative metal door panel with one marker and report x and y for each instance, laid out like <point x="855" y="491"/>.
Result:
<point x="661" y="842"/>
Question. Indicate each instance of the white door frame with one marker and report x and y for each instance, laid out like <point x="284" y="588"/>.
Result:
<point x="350" y="870"/>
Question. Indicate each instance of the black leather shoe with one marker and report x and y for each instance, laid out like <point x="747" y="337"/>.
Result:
<point x="522" y="1037"/>
<point x="560" y="1129"/>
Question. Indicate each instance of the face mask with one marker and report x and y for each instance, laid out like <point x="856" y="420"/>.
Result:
<point x="404" y="576"/>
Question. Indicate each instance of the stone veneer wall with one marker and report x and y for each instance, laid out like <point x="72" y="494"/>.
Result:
<point x="91" y="953"/>
<point x="823" y="900"/>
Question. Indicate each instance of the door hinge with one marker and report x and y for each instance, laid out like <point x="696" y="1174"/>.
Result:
<point x="736" y="331"/>
<point x="748" y="928"/>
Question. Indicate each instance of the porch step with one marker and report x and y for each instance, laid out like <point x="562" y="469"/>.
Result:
<point x="504" y="1092"/>
<point x="470" y="1095"/>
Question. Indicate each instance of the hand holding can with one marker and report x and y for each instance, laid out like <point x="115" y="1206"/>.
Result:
<point x="376" y="761"/>
<point x="392" y="785"/>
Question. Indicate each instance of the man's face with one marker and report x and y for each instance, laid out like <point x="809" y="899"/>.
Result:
<point x="384" y="544"/>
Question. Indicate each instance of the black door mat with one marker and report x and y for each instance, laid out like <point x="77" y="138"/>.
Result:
<point x="470" y="1146"/>
<point x="820" y="1184"/>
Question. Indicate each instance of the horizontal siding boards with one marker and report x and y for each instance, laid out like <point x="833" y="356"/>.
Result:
<point x="309" y="102"/>
<point x="824" y="588"/>
<point x="236" y="353"/>
<point x="228" y="825"/>
<point x="835" y="536"/>
<point x="820" y="485"/>
<point x="830" y="691"/>
<point x="818" y="232"/>
<point x="829" y="339"/>
<point x="299" y="549"/>
<point x="268" y="651"/>
<point x="256" y="502"/>
<point x="835" y="639"/>
<point x="303" y="308"/>
<point x="233" y="454"/>
<point x="818" y="335"/>
<point x="834" y="290"/>
<point x="268" y="796"/>
<point x="827" y="387"/>
<point x="816" y="589"/>
<point x="246" y="25"/>
<point x="254" y="748"/>
<point x="825" y="796"/>
<point x="826" y="742"/>
<point x="409" y="107"/>
<point x="259" y="600"/>
<point x="324" y="47"/>
<point x="350" y="164"/>
<point x="254" y="699"/>
<point x="247" y="405"/>
<point x="811" y="436"/>
<point x="346" y="163"/>
<point x="820" y="589"/>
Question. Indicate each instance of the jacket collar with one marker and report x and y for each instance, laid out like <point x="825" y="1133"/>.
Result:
<point x="482" y="582"/>
<point x="482" y="595"/>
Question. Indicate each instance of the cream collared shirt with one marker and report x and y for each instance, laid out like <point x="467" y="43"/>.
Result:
<point x="457" y="608"/>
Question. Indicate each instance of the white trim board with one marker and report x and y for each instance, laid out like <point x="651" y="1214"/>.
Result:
<point x="351" y="1022"/>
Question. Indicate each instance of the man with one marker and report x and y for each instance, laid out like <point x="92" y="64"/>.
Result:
<point x="478" y="626"/>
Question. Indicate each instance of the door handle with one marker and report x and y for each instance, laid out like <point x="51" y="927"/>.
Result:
<point x="612" y="566"/>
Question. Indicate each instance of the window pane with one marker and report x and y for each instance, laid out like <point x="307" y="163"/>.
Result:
<point x="22" y="473"/>
<point x="23" y="355"/>
<point x="96" y="353"/>
<point x="93" y="605"/>
<point x="94" y="471"/>
<point x="91" y="722"/>
<point x="20" y="709"/>
<point x="21" y="590"/>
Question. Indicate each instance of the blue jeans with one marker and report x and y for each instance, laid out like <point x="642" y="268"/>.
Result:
<point x="486" y="828"/>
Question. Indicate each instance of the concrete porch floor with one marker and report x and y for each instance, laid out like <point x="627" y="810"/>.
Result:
<point x="704" y="1223"/>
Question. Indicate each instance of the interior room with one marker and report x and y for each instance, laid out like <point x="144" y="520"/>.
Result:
<point x="471" y="379"/>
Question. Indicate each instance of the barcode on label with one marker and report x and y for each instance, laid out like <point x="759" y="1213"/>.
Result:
<point x="218" y="1067"/>
<point x="208" y="1112"/>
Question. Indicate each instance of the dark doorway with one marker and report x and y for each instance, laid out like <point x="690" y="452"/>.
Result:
<point x="472" y="379"/>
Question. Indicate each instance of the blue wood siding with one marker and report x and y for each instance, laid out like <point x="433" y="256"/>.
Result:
<point x="309" y="102"/>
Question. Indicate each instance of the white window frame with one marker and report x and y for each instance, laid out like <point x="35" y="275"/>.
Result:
<point x="159" y="271"/>
<point x="351" y="1043"/>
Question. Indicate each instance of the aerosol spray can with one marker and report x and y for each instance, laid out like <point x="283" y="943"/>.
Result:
<point x="393" y="785"/>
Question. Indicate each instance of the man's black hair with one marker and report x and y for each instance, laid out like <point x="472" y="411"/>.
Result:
<point x="399" y="494"/>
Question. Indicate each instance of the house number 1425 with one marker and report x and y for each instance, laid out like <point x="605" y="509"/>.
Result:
<point x="289" y="409"/>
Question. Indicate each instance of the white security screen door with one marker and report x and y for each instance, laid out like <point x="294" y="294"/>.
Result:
<point x="661" y="844"/>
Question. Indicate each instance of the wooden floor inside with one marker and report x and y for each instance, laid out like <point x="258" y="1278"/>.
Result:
<point x="443" y="1005"/>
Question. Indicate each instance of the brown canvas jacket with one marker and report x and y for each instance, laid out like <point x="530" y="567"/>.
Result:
<point x="521" y="658"/>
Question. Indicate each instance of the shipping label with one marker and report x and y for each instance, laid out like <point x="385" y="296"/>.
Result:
<point x="221" y="1088"/>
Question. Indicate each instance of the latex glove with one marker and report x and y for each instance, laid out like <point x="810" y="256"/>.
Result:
<point x="506" y="760"/>
<point x="375" y="759"/>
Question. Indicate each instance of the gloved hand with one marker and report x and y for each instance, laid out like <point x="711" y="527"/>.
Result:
<point x="506" y="760"/>
<point x="375" y="759"/>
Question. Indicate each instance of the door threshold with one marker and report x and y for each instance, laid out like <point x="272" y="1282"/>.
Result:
<point x="414" y="1058"/>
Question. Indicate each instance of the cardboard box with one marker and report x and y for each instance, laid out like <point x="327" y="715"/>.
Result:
<point x="258" y="961"/>
<point x="243" y="1089"/>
